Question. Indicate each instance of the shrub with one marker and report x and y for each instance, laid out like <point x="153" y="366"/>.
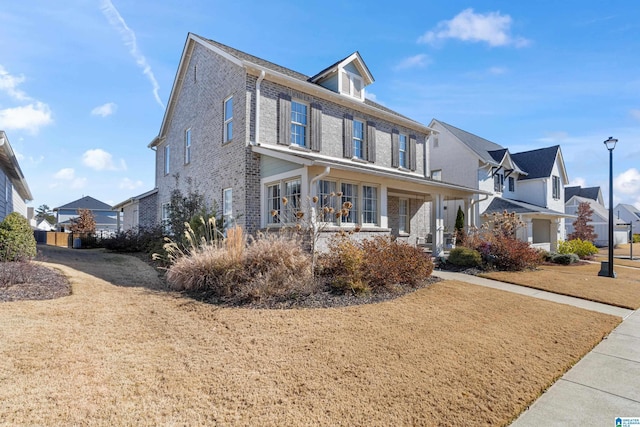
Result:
<point x="343" y="264"/>
<point x="564" y="259"/>
<point x="391" y="262"/>
<point x="16" y="239"/>
<point x="636" y="238"/>
<point x="465" y="257"/>
<point x="145" y="239"/>
<point x="582" y="248"/>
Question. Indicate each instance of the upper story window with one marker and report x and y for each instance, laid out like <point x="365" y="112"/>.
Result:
<point x="167" y="159"/>
<point x="358" y="139"/>
<point x="498" y="182"/>
<point x="512" y="184"/>
<point x="556" y="187"/>
<point x="299" y="120"/>
<point x="187" y="146"/>
<point x="436" y="142"/>
<point x="402" y="147"/>
<point x="228" y="120"/>
<point x="436" y="175"/>
<point x="352" y="85"/>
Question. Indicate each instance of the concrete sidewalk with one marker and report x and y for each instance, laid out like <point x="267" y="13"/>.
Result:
<point x="602" y="386"/>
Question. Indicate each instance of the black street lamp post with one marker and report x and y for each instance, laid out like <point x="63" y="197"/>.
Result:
<point x="610" y="144"/>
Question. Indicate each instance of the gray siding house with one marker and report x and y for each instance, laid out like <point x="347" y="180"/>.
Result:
<point x="15" y="192"/>
<point x="245" y="133"/>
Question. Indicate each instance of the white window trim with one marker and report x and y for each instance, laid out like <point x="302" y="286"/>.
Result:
<point x="370" y="224"/>
<point x="358" y="207"/>
<point x="437" y="172"/>
<point x="227" y="196"/>
<point x="187" y="146"/>
<point x="165" y="208"/>
<point x="360" y="203"/>
<point x="306" y="126"/>
<point x="362" y="140"/>
<point x="167" y="159"/>
<point x="406" y="229"/>
<point x="405" y="151"/>
<point x="225" y="137"/>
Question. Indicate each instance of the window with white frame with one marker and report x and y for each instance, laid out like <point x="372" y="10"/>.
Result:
<point x="402" y="146"/>
<point x="498" y="182"/>
<point x="292" y="191"/>
<point x="436" y="141"/>
<point x="299" y="120"/>
<point x="350" y="195"/>
<point x="187" y="146"/>
<point x="167" y="159"/>
<point x="403" y="216"/>
<point x="273" y="203"/>
<point x="512" y="184"/>
<point x="228" y="120"/>
<point x="358" y="139"/>
<point x="166" y="213"/>
<point x="556" y="187"/>
<point x="351" y="85"/>
<point x="436" y="175"/>
<point x="227" y="207"/>
<point x="369" y="205"/>
<point x="327" y="200"/>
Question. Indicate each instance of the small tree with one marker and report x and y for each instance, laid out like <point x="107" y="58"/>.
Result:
<point x="16" y="239"/>
<point x="460" y="234"/>
<point x="581" y="228"/>
<point x="84" y="223"/>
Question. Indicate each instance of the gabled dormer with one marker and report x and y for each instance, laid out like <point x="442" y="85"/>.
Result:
<point x="348" y="77"/>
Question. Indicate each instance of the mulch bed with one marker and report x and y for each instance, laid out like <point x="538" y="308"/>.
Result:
<point x="31" y="281"/>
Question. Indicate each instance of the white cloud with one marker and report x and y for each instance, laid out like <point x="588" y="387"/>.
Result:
<point x="98" y="159"/>
<point x="104" y="110"/>
<point x="9" y="84"/>
<point x="66" y="174"/>
<point x="128" y="184"/>
<point x="628" y="182"/>
<point x="635" y="114"/>
<point x="29" y="117"/>
<point x="419" y="60"/>
<point x="373" y="97"/>
<point x="578" y="181"/>
<point x="492" y="28"/>
<point x="129" y="39"/>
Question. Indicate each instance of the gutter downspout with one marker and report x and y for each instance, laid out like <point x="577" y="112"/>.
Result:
<point x="257" y="130"/>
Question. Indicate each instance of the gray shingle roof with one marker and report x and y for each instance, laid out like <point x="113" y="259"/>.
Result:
<point x="499" y="205"/>
<point x="291" y="73"/>
<point x="538" y="163"/>
<point x="87" y="202"/>
<point x="482" y="147"/>
<point x="587" y="192"/>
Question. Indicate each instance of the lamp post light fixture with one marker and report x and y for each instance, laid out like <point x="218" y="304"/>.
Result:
<point x="608" y="271"/>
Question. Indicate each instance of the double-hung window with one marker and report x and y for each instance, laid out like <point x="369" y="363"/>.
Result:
<point x="299" y="120"/>
<point x="167" y="159"/>
<point x="358" y="139"/>
<point x="187" y="146"/>
<point x="273" y="204"/>
<point x="402" y="146"/>
<point x="228" y="120"/>
<point x="292" y="193"/>
<point x="512" y="184"/>
<point x="403" y="215"/>
<point x="556" y="187"/>
<point x="166" y="212"/>
<point x="350" y="197"/>
<point x="369" y="205"/>
<point x="227" y="207"/>
<point x="327" y="203"/>
<point x="498" y="182"/>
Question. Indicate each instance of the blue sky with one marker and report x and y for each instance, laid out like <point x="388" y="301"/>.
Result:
<point x="83" y="83"/>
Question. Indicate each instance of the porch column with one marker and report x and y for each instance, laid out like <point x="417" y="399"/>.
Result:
<point x="437" y="225"/>
<point x="468" y="213"/>
<point x="555" y="233"/>
<point x="529" y="230"/>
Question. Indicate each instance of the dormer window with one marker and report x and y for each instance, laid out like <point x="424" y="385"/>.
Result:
<point x="352" y="85"/>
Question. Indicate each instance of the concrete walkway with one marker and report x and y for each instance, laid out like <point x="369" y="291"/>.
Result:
<point x="602" y="386"/>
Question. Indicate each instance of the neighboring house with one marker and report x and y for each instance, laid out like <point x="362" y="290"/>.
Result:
<point x="106" y="219"/>
<point x="15" y="192"/>
<point x="245" y="133"/>
<point x="599" y="218"/>
<point x="529" y="183"/>
<point x="628" y="214"/>
<point x="138" y="211"/>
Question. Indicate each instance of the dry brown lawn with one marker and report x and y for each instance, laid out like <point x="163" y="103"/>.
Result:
<point x="623" y="251"/>
<point x="451" y="353"/>
<point x="580" y="281"/>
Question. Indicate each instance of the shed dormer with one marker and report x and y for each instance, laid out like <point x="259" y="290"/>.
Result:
<point x="347" y="77"/>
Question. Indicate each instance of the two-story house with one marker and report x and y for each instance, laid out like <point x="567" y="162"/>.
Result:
<point x="529" y="183"/>
<point x="246" y="132"/>
<point x="15" y="191"/>
<point x="103" y="214"/>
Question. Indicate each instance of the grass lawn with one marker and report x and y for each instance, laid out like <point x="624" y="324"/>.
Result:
<point x="451" y="353"/>
<point x="580" y="281"/>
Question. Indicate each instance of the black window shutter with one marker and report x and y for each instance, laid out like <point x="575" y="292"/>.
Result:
<point x="395" y="149"/>
<point x="316" y="127"/>
<point x="412" y="153"/>
<point x="284" y="126"/>
<point x="348" y="136"/>
<point x="371" y="142"/>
